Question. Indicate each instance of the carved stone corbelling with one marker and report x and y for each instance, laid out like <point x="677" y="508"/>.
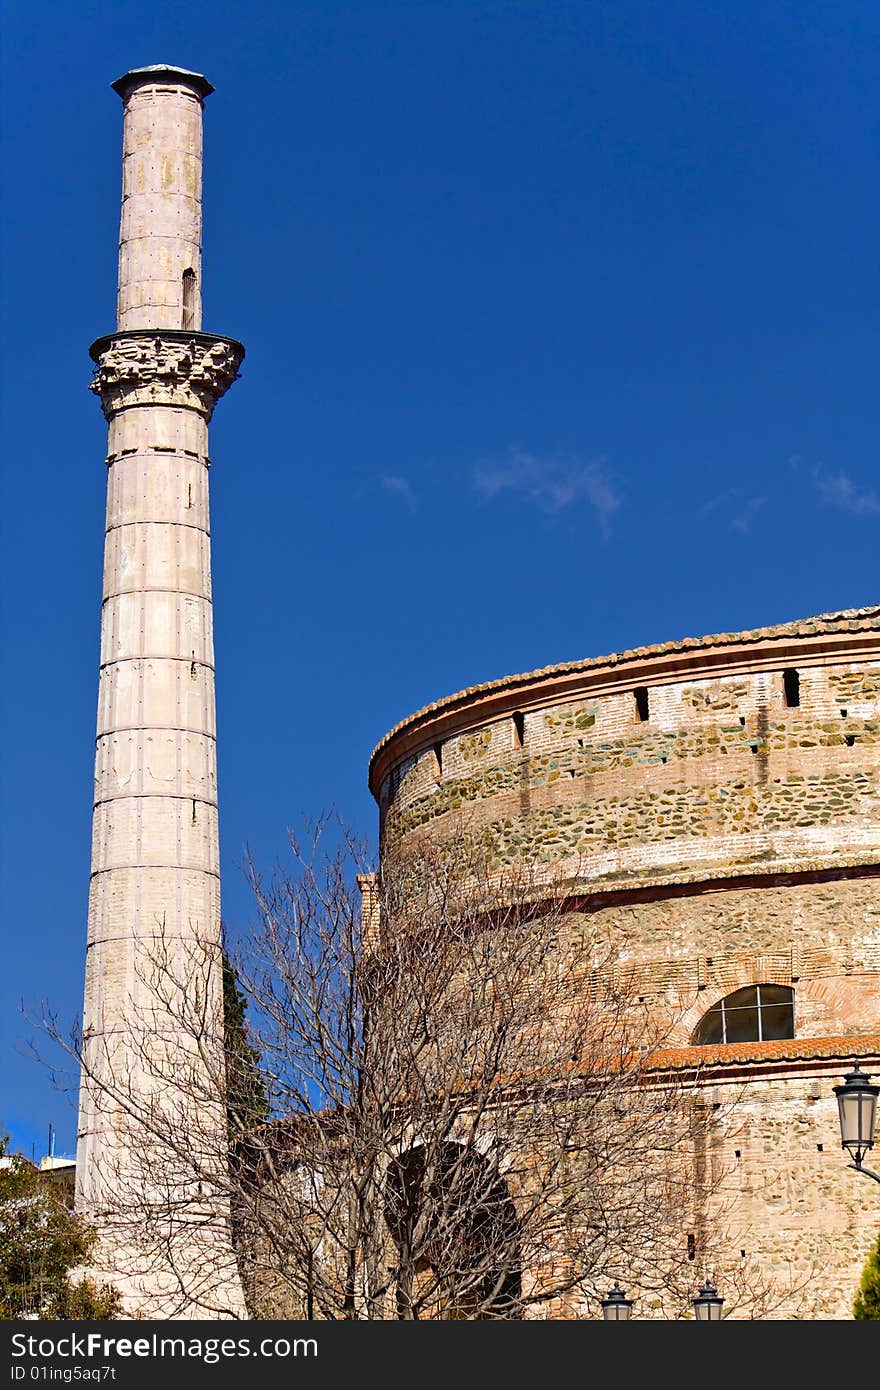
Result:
<point x="164" y="367"/>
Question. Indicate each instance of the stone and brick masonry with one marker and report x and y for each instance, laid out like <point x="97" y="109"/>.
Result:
<point x="717" y="801"/>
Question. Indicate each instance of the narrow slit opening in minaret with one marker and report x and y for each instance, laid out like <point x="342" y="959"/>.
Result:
<point x="438" y="756"/>
<point x="640" y="695"/>
<point x="519" y="729"/>
<point x="188" y="317"/>
<point x="194" y="811"/>
<point x="189" y="496"/>
<point x="791" y="684"/>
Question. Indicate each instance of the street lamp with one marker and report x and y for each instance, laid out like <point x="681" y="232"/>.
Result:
<point x="616" y="1307"/>
<point x="857" y="1106"/>
<point x="707" y="1304"/>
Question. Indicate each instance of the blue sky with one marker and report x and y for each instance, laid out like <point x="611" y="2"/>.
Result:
<point x="562" y="337"/>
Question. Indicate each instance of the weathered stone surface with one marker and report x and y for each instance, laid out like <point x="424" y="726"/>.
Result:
<point x="142" y="368"/>
<point x="726" y="840"/>
<point x="154" y="905"/>
<point x="721" y="779"/>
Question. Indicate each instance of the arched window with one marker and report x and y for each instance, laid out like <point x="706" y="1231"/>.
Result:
<point x="758" y="1013"/>
<point x="455" y="1227"/>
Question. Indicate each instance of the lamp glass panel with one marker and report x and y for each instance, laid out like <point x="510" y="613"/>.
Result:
<point x="858" y="1114"/>
<point x="850" y="1118"/>
<point x="615" y="1312"/>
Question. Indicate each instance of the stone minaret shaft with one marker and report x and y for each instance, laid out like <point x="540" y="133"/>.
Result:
<point x="154" y="910"/>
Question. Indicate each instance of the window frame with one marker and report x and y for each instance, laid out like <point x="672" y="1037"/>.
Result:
<point x="721" y="1007"/>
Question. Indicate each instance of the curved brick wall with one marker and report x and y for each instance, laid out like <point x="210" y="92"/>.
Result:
<point x="732" y="834"/>
<point x="724" y="818"/>
<point x="720" y="779"/>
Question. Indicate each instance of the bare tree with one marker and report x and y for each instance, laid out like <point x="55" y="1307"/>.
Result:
<point x="475" y="1125"/>
<point x="468" y="1115"/>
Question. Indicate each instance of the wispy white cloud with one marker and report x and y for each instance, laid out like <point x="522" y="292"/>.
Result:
<point x="399" y="487"/>
<point x="550" y="483"/>
<point x="839" y="490"/>
<point x="746" y="515"/>
<point x="728" y="496"/>
<point x="741" y="510"/>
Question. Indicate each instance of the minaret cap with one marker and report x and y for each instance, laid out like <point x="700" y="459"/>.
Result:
<point x="157" y="73"/>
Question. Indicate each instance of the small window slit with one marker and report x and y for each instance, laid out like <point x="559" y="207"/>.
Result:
<point x="188" y="309"/>
<point x="791" y="686"/>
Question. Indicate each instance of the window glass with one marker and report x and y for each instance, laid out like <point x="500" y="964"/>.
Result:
<point x="741" y="1024"/>
<point x="777" y="1021"/>
<point x="757" y="1013"/>
<point x="711" y="1029"/>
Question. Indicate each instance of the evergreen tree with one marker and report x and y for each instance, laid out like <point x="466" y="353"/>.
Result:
<point x="247" y="1104"/>
<point x="41" y="1241"/>
<point x="247" y="1107"/>
<point x="867" y="1304"/>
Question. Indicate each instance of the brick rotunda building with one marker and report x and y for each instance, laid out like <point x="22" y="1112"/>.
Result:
<point x="717" y="799"/>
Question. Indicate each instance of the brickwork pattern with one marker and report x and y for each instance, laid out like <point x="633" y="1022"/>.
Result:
<point x="721" y="775"/>
<point x="722" y="818"/>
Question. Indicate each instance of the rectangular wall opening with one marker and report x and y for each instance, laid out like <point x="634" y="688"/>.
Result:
<point x="519" y="729"/>
<point x="640" y="695"/>
<point x="438" y="757"/>
<point x="791" y="685"/>
<point x="188" y="296"/>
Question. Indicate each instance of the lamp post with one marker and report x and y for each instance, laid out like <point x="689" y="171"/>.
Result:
<point x="857" y="1108"/>
<point x="616" y="1307"/>
<point x="707" y="1304"/>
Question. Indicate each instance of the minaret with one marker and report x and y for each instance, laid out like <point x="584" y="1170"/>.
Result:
<point x="150" y="1166"/>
